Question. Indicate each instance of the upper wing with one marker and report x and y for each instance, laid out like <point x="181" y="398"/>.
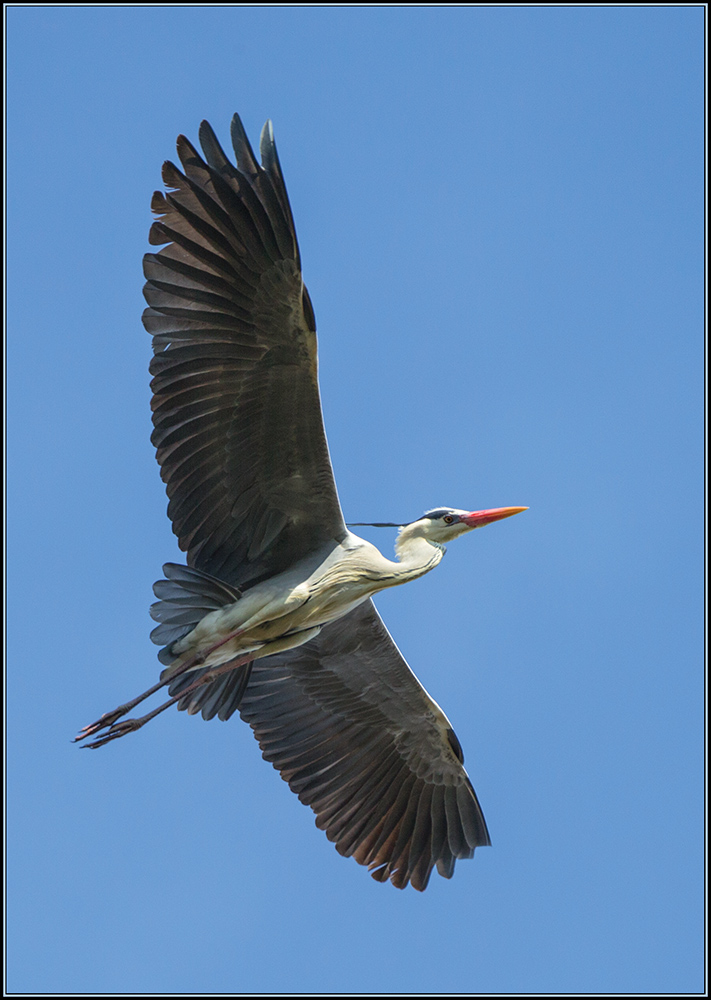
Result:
<point x="357" y="737"/>
<point x="237" y="414"/>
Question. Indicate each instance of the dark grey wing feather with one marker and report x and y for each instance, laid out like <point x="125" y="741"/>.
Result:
<point x="220" y="697"/>
<point x="238" y="428"/>
<point x="357" y="737"/>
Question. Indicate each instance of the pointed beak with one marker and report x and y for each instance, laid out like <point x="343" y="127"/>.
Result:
<point x="478" y="518"/>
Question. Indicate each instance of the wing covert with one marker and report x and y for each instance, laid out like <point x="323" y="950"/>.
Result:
<point x="236" y="408"/>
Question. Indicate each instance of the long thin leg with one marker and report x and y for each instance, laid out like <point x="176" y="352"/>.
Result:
<point x="110" y="718"/>
<point x="119" y="729"/>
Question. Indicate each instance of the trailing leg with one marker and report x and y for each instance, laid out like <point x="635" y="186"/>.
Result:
<point x="118" y="729"/>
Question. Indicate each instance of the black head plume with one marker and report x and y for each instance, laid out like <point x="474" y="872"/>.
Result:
<point x="373" y="524"/>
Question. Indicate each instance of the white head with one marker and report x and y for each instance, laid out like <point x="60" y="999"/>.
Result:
<point x="441" y="525"/>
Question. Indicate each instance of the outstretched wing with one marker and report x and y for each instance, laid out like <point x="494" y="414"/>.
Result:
<point x="357" y="737"/>
<point x="236" y="407"/>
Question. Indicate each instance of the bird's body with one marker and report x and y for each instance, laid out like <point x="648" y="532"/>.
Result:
<point x="272" y="615"/>
<point x="317" y="590"/>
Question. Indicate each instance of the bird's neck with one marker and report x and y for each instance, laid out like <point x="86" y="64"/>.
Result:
<point x="416" y="555"/>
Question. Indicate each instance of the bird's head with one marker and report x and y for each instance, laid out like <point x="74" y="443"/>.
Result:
<point x="443" y="524"/>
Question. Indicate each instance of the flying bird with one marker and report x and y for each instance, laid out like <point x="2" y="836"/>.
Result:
<point x="273" y="615"/>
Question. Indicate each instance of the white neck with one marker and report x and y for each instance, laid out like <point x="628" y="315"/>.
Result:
<point x="416" y="555"/>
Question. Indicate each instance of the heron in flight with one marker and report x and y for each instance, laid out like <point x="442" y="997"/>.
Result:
<point x="273" y="615"/>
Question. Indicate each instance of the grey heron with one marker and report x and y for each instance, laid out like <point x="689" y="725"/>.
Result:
<point x="272" y="616"/>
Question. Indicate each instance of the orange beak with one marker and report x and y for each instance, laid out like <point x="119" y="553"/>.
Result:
<point x="478" y="518"/>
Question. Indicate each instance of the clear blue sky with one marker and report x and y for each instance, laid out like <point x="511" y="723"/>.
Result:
<point x="500" y="216"/>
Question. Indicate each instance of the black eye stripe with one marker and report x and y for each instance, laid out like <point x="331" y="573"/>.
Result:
<point x="439" y="512"/>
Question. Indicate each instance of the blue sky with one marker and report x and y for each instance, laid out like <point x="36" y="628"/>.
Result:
<point x="501" y="224"/>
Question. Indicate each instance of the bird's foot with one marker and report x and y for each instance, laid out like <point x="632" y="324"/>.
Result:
<point x="117" y="729"/>
<point x="106" y="720"/>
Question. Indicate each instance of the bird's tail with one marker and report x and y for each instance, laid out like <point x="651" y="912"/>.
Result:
<point x="186" y="596"/>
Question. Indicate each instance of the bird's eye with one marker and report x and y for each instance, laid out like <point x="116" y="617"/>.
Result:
<point x="448" y="518"/>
